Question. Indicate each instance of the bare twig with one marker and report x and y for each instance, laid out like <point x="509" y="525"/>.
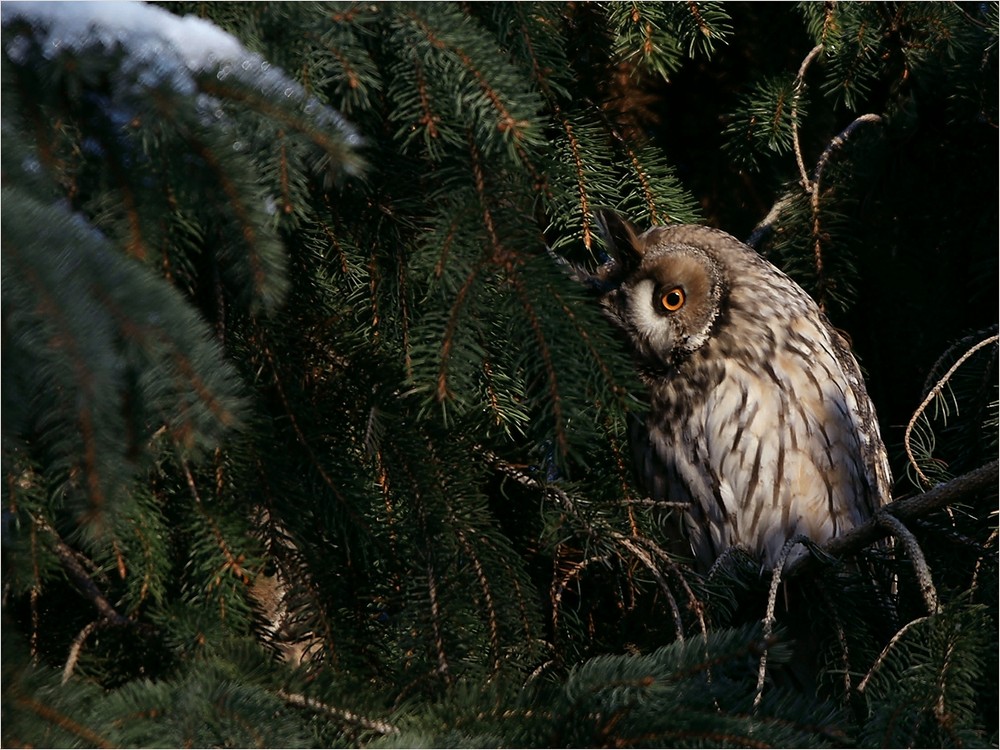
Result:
<point x="650" y="564"/>
<point x="814" y="192"/>
<point x="811" y="187"/>
<point x="800" y="83"/>
<point x="766" y="225"/>
<point x="979" y="563"/>
<point x="837" y="142"/>
<point x="932" y="394"/>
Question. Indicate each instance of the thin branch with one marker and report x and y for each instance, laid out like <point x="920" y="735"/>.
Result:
<point x="979" y="563"/>
<point x="798" y="89"/>
<point x="814" y="193"/>
<point x="76" y="648"/>
<point x="84" y="583"/>
<point x="934" y="393"/>
<point x="766" y="225"/>
<point x="811" y="187"/>
<point x="340" y="714"/>
<point x="650" y="564"/>
<point x="885" y="652"/>
<point x="837" y="142"/>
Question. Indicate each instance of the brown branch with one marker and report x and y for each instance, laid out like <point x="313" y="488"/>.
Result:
<point x="436" y="622"/>
<point x="769" y="618"/>
<point x="506" y="120"/>
<point x="63" y="722"/>
<point x="798" y="88"/>
<point x="76" y="648"/>
<point x="574" y="146"/>
<point x="491" y="608"/>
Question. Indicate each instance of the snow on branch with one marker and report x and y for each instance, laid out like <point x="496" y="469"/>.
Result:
<point x="160" y="50"/>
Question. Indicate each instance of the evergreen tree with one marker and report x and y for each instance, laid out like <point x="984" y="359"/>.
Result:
<point x="309" y="438"/>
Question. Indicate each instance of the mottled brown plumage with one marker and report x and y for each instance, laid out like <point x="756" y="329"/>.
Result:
<point x="759" y="419"/>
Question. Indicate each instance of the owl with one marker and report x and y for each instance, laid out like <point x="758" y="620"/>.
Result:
<point x="759" y="420"/>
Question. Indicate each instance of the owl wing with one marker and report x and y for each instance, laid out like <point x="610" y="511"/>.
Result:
<point x="879" y="475"/>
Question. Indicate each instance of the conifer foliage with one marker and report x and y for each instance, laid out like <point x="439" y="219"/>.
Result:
<point x="310" y="439"/>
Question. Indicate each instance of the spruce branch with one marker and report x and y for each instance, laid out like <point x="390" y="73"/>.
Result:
<point x="488" y="599"/>
<point x="319" y="135"/>
<point x="506" y="122"/>
<point x="303" y="441"/>
<point x="233" y="564"/>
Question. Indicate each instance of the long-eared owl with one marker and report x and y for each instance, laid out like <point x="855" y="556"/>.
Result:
<point x="759" y="419"/>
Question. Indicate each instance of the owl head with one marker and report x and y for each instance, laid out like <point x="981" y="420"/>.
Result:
<point x="664" y="288"/>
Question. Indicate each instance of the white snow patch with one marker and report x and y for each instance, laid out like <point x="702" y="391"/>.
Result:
<point x="198" y="43"/>
<point x="161" y="48"/>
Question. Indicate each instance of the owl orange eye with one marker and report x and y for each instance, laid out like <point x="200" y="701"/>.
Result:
<point x="673" y="300"/>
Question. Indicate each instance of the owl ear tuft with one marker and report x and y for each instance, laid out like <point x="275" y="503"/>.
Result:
<point x="621" y="238"/>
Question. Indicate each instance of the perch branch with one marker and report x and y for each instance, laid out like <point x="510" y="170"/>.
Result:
<point x="983" y="479"/>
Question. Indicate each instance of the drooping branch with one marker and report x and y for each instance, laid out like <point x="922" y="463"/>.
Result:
<point x="931" y="395"/>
